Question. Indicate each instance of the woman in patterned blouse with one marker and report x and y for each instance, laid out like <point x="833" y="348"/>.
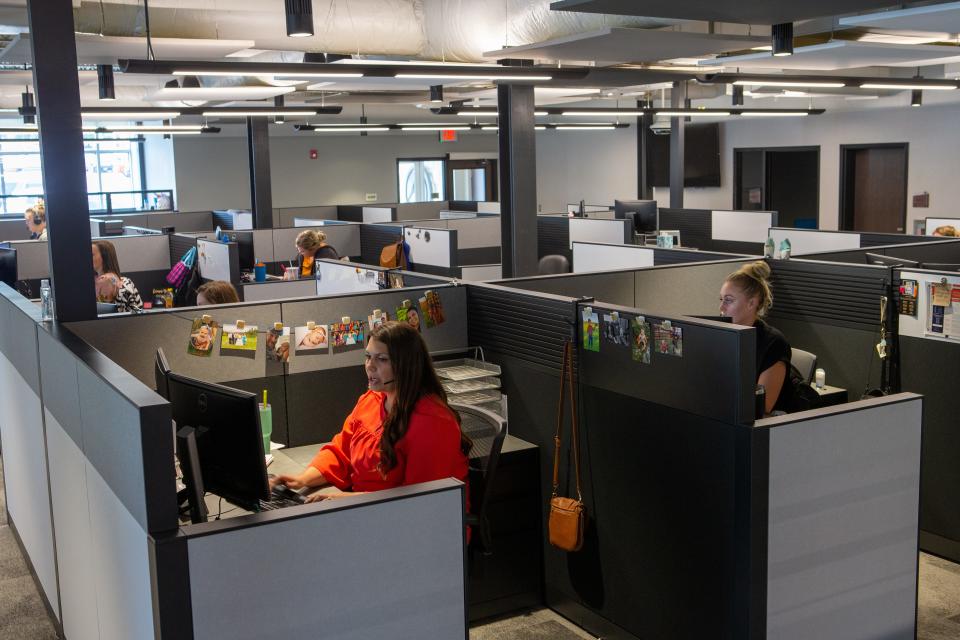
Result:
<point x="111" y="285"/>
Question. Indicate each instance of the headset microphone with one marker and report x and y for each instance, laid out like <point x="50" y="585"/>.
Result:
<point x="385" y="382"/>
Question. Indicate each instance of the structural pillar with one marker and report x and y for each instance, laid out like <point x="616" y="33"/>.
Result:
<point x="261" y="194"/>
<point x="678" y="100"/>
<point x="64" y="169"/>
<point x="518" y="180"/>
<point x="644" y="188"/>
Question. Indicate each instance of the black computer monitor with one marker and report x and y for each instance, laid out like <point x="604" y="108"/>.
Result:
<point x="644" y="213"/>
<point x="941" y="266"/>
<point x="889" y="261"/>
<point x="161" y="368"/>
<point x="8" y="265"/>
<point x="244" y="240"/>
<point x="229" y="444"/>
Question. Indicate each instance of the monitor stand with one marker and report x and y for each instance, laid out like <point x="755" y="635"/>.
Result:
<point x="192" y="477"/>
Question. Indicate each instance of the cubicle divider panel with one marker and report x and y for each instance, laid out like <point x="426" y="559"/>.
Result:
<point x="553" y="236"/>
<point x="937" y="250"/>
<point x="33" y="260"/>
<point x="615" y="287"/>
<point x="334" y="277"/>
<point x="181" y="221"/>
<point x="323" y="385"/>
<point x="432" y="250"/>
<point x="14" y="229"/>
<point x="606" y="231"/>
<point x="804" y="241"/>
<point x="274" y="290"/>
<point x="481" y="272"/>
<point x="683" y="290"/>
<point x="377" y="214"/>
<point x="419" y="210"/>
<point x="263" y="245"/>
<point x="374" y="237"/>
<point x="663" y="257"/>
<point x="285" y="215"/>
<point x="694" y="225"/>
<point x="25" y="463"/>
<point x="345" y="238"/>
<point x="885" y="239"/>
<point x="833" y="311"/>
<point x="398" y="565"/>
<point x="179" y="245"/>
<point x="843" y="493"/>
<point x="595" y="256"/>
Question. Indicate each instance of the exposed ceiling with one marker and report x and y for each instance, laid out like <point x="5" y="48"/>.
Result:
<point x="627" y="56"/>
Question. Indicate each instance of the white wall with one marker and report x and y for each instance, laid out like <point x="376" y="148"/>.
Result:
<point x="212" y="171"/>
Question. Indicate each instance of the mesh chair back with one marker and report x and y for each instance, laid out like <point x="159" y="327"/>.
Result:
<point x="805" y="362"/>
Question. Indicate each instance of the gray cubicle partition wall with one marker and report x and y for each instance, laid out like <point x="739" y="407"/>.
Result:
<point x="833" y="311"/>
<point x="432" y="251"/>
<point x="283" y="216"/>
<point x="842" y="506"/>
<point x="553" y="236"/>
<point x="696" y="228"/>
<point x="345" y="238"/>
<point x="419" y="210"/>
<point x="25" y="463"/>
<point x="935" y="249"/>
<point x="930" y="364"/>
<point x="13" y="228"/>
<point x="663" y="257"/>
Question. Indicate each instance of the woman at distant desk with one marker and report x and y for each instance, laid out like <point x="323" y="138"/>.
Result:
<point x="401" y="431"/>
<point x="746" y="297"/>
<point x="312" y="246"/>
<point x="36" y="219"/>
<point x="216" y="292"/>
<point x="110" y="284"/>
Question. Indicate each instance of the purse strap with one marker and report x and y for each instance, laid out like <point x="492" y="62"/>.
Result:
<point x="566" y="388"/>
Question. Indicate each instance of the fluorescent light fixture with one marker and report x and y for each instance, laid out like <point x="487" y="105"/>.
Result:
<point x="436" y="128"/>
<point x="450" y="76"/>
<point x="243" y="114"/>
<point x="281" y="74"/>
<point x="346" y="124"/>
<point x="490" y="128"/>
<point x="604" y="113"/>
<point x="789" y="83"/>
<point x="765" y="47"/>
<point x="133" y="115"/>
<point x="580" y="127"/>
<point x="904" y="87"/>
<point x="768" y="114"/>
<point x="683" y="114"/>
<point x="167" y="128"/>
<point x="892" y="38"/>
<point x="478" y="112"/>
<point x="353" y="129"/>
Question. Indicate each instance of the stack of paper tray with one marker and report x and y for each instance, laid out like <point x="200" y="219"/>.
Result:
<point x="469" y="381"/>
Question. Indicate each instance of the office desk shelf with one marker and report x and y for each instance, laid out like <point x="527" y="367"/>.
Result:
<point x="466" y="369"/>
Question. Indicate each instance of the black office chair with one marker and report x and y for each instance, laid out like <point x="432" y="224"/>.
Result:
<point x="487" y="430"/>
<point x="552" y="264"/>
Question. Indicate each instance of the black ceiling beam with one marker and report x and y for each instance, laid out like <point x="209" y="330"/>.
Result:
<point x="198" y="111"/>
<point x="630" y="111"/>
<point x="167" y="67"/>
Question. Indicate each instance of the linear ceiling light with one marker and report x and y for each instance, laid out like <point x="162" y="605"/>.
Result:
<point x="790" y="83"/>
<point x="105" y="82"/>
<point x="905" y="86"/>
<point x="353" y="129"/>
<point x="781" y="39"/>
<point x="459" y="76"/>
<point x="277" y="74"/>
<point x="491" y="113"/>
<point x="165" y="127"/>
<point x="299" y="18"/>
<point x="580" y="127"/>
<point x="133" y="115"/>
<point x="692" y="112"/>
<point x="603" y="112"/>
<point x="238" y="113"/>
<point x="774" y="113"/>
<point x="436" y="128"/>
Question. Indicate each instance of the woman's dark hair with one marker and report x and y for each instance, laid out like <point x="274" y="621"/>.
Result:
<point x="218" y="292"/>
<point x="414" y="378"/>
<point x="754" y="280"/>
<point x="108" y="257"/>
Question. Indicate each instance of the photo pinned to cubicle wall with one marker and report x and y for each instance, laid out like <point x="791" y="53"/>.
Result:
<point x="375" y="320"/>
<point x="311" y="338"/>
<point x="347" y="334"/>
<point x="591" y="330"/>
<point x="409" y="315"/>
<point x="203" y="334"/>
<point x="278" y="345"/>
<point x="615" y="330"/>
<point x="669" y="339"/>
<point x="396" y="280"/>
<point x="234" y="338"/>
<point x="431" y="309"/>
<point x="640" y="348"/>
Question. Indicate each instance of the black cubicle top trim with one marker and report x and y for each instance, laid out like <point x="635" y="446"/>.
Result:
<point x="679" y="265"/>
<point x="883" y="248"/>
<point x="203" y="529"/>
<point x="822" y="412"/>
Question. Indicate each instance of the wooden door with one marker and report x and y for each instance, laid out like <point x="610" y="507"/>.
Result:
<point x="874" y="188"/>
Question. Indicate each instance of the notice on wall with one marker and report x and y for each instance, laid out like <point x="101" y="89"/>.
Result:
<point x="943" y="311"/>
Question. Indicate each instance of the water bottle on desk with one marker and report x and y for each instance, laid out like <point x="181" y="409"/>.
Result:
<point x="46" y="300"/>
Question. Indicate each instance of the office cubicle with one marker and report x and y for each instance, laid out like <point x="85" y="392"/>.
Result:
<point x="718" y="230"/>
<point x="811" y="241"/>
<point x="108" y="554"/>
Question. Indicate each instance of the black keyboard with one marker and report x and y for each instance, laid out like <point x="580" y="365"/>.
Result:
<point x="280" y="497"/>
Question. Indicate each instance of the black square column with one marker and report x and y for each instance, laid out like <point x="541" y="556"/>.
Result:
<point x="678" y="100"/>
<point x="261" y="193"/>
<point x="61" y="156"/>
<point x="518" y="180"/>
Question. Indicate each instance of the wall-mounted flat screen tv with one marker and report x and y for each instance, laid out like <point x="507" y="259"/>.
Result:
<point x="701" y="157"/>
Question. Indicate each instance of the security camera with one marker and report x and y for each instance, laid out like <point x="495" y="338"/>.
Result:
<point x="660" y="127"/>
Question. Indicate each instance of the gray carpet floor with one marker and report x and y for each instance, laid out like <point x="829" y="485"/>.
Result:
<point x="24" y="617"/>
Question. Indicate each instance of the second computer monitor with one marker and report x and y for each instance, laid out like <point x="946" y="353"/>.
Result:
<point x="644" y="213"/>
<point x="8" y="265"/>
<point x="229" y="440"/>
<point x="889" y="261"/>
<point x="245" y="252"/>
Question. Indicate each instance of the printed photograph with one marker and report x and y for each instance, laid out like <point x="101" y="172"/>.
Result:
<point x="278" y="345"/>
<point x="375" y="321"/>
<point x="202" y="337"/>
<point x="238" y="339"/>
<point x="434" y="309"/>
<point x="615" y="331"/>
<point x="347" y="334"/>
<point x="640" y="346"/>
<point x="308" y="339"/>
<point x="591" y="331"/>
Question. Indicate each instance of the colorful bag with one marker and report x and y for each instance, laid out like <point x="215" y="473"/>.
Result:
<point x="181" y="271"/>
<point x="567" y="520"/>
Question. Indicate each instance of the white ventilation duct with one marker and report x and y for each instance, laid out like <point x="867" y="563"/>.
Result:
<point x="452" y="30"/>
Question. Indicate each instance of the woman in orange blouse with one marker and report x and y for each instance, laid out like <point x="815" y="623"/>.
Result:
<point x="402" y="431"/>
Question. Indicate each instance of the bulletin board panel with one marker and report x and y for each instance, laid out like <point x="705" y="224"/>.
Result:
<point x="213" y="260"/>
<point x="609" y="231"/>
<point x="741" y="226"/>
<point x="335" y="277"/>
<point x="943" y="325"/>
<point x="437" y="250"/>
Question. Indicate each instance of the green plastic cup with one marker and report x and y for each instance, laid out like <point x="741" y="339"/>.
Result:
<point x="266" y="425"/>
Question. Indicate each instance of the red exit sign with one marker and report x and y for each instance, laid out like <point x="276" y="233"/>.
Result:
<point x="448" y="135"/>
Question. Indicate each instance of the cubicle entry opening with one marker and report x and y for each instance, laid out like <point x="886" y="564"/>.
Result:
<point x="472" y="180"/>
<point x="873" y="187"/>
<point x="781" y="179"/>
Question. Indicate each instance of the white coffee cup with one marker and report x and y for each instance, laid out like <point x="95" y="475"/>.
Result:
<point x="820" y="378"/>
